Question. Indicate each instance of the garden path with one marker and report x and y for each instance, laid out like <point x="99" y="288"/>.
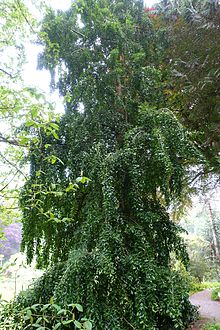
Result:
<point x="209" y="310"/>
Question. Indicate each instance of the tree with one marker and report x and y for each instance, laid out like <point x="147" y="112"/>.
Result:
<point x="107" y="233"/>
<point x="23" y="109"/>
<point x="203" y="240"/>
<point x="194" y="61"/>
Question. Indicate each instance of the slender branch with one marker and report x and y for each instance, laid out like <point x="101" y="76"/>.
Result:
<point x="7" y="73"/>
<point x="200" y="173"/>
<point x="25" y="17"/>
<point x="8" y="197"/>
<point x="12" y="208"/>
<point x="12" y="142"/>
<point x="79" y="33"/>
<point x="7" y="184"/>
<point x="129" y="323"/>
<point x="13" y="165"/>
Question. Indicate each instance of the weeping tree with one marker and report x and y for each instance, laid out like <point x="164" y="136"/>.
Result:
<point x="95" y="205"/>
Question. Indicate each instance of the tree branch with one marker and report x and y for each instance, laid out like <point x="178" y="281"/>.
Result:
<point x="13" y="165"/>
<point x="79" y="33"/>
<point x="7" y="184"/>
<point x="25" y="17"/>
<point x="7" y="73"/>
<point x="12" y="142"/>
<point x="200" y="173"/>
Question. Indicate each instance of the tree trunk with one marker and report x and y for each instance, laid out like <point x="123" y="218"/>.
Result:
<point x="215" y="239"/>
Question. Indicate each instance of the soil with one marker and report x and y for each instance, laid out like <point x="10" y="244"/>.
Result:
<point x="209" y="310"/>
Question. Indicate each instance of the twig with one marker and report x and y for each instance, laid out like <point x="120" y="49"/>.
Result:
<point x="7" y="73"/>
<point x="12" y="142"/>
<point x="24" y="16"/>
<point x="129" y="323"/>
<point x="196" y="177"/>
<point x="13" y="165"/>
<point x="79" y="33"/>
<point x="7" y="184"/>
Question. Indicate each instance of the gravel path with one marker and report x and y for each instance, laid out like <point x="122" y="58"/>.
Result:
<point x="208" y="309"/>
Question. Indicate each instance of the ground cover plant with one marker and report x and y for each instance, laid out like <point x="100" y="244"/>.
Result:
<point x="43" y="317"/>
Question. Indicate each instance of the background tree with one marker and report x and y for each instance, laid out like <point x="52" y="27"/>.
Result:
<point x="24" y="111"/>
<point x="203" y="227"/>
<point x="109" y="238"/>
<point x="194" y="59"/>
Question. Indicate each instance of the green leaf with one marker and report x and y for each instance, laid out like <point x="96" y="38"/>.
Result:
<point x="55" y="126"/>
<point x="46" y="306"/>
<point x="57" y="326"/>
<point x="30" y="123"/>
<point x="78" y="324"/>
<point x="56" y="307"/>
<point x="62" y="311"/>
<point x="55" y="135"/>
<point x="67" y="322"/>
<point x="87" y="325"/>
<point x="79" y="307"/>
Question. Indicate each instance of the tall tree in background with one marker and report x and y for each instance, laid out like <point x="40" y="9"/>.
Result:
<point x="111" y="232"/>
<point x="194" y="60"/>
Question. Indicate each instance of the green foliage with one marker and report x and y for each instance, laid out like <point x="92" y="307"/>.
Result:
<point x="196" y="286"/>
<point x="43" y="317"/>
<point x="215" y="294"/>
<point x="112" y="233"/>
<point x="194" y="60"/>
<point x="201" y="265"/>
<point x="61" y="284"/>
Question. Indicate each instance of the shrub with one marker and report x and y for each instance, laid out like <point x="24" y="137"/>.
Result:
<point x="212" y="326"/>
<point x="196" y="286"/>
<point x="215" y="294"/>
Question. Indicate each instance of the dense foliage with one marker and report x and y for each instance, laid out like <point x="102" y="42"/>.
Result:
<point x="194" y="60"/>
<point x="109" y="227"/>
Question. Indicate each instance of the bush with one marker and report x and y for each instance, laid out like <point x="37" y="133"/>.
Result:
<point x="196" y="286"/>
<point x="212" y="326"/>
<point x="215" y="294"/>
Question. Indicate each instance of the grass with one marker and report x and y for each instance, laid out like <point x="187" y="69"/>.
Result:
<point x="212" y="326"/>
